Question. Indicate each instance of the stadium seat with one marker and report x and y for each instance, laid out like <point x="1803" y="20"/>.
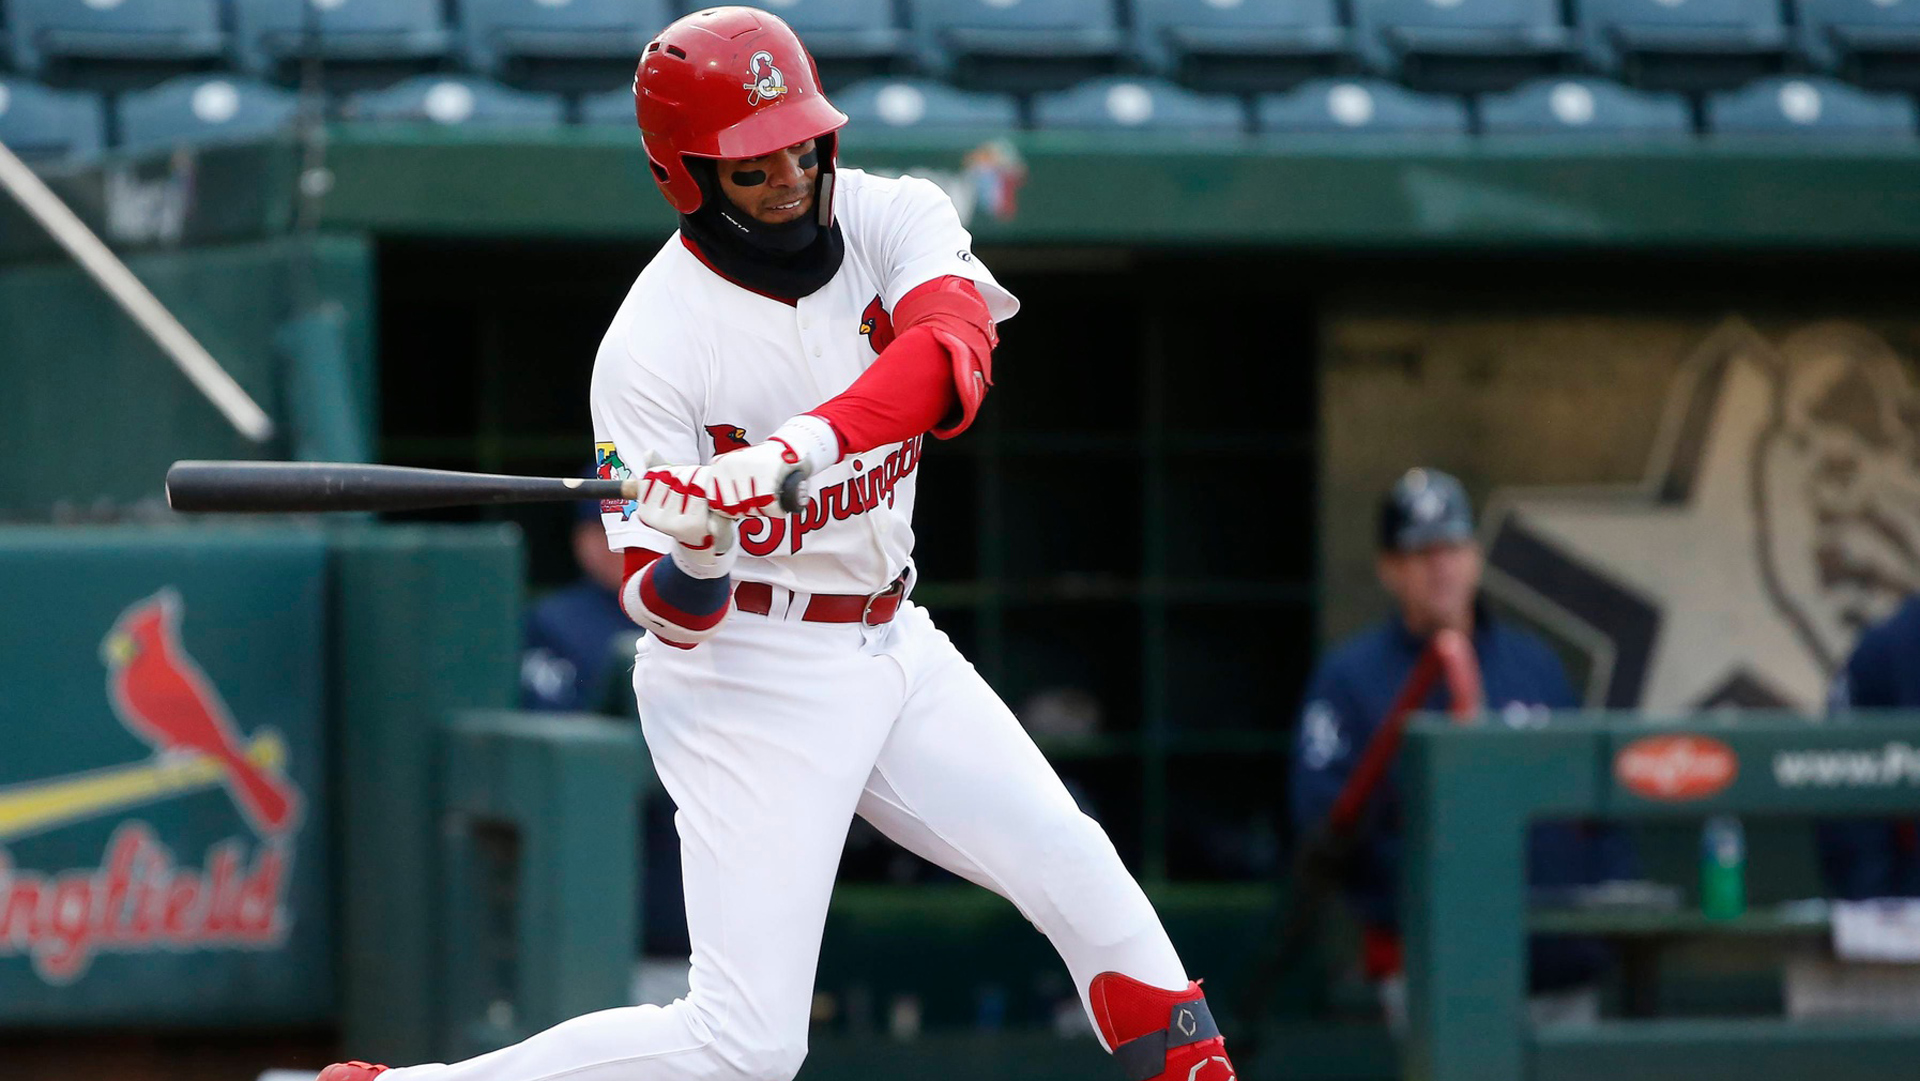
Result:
<point x="849" y="39"/>
<point x="1359" y="105"/>
<point x="1018" y="45"/>
<point x="1815" y="106"/>
<point x="1872" y="42"/>
<point x="202" y="109"/>
<point x="1121" y="102"/>
<point x="42" y="124"/>
<point x="94" y="41"/>
<point x="1585" y="107"/>
<point x="1462" y="45"/>
<point x="372" y="38"/>
<point x="922" y="103"/>
<point x="456" y="100"/>
<point x="1251" y="45"/>
<point x="1683" y="44"/>
<point x="571" y="44"/>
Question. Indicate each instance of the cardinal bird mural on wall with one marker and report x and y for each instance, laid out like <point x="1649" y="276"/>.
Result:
<point x="141" y="896"/>
<point x="163" y="697"/>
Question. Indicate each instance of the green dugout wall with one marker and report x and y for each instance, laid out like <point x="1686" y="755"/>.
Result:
<point x="95" y="412"/>
<point x="1034" y="188"/>
<point x="1471" y="793"/>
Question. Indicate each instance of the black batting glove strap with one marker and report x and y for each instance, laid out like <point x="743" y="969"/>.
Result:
<point x="1145" y="1058"/>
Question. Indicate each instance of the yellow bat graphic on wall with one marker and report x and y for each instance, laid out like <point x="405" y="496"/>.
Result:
<point x="36" y="806"/>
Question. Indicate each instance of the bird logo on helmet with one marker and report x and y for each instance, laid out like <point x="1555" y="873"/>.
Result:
<point x="688" y="99"/>
<point x="767" y="82"/>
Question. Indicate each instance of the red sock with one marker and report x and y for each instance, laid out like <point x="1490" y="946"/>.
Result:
<point x="1159" y="1035"/>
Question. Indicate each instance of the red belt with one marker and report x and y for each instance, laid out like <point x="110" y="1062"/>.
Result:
<point x="870" y="610"/>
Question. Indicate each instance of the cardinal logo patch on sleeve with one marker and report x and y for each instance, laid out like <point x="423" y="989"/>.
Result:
<point x="876" y="326"/>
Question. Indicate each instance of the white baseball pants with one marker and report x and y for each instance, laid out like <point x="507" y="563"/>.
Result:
<point x="770" y="737"/>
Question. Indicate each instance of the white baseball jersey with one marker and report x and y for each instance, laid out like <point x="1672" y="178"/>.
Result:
<point x="695" y="365"/>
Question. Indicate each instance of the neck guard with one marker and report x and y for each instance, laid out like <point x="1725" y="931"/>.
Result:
<point x="788" y="261"/>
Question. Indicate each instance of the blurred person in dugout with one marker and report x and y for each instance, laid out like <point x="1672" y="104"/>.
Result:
<point x="575" y="638"/>
<point x="1430" y="564"/>
<point x="1867" y="858"/>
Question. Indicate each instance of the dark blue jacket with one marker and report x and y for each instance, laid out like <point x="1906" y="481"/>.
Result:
<point x="569" y="647"/>
<point x="1877" y="857"/>
<point x="1345" y="702"/>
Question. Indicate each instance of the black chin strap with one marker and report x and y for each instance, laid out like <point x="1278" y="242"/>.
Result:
<point x="789" y="260"/>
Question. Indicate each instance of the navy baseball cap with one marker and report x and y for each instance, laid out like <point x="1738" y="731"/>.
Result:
<point x="588" y="510"/>
<point x="1425" y="507"/>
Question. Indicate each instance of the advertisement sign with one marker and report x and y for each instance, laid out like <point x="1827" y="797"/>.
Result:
<point x="162" y="851"/>
<point x="1771" y="762"/>
<point x="1676" y="768"/>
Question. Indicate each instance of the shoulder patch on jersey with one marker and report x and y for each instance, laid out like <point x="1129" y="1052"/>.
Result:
<point x="727" y="437"/>
<point x="876" y="326"/>
<point x="608" y="466"/>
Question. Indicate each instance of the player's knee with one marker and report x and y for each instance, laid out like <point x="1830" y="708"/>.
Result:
<point x="766" y="1063"/>
<point x="761" y="1058"/>
<point x="1087" y="886"/>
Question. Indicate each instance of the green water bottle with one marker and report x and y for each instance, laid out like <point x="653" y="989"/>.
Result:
<point x="1723" y="868"/>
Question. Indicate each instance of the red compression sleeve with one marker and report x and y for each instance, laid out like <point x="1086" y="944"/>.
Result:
<point x="925" y="380"/>
<point x="906" y="391"/>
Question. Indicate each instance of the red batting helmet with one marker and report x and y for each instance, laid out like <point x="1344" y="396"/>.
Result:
<point x="730" y="82"/>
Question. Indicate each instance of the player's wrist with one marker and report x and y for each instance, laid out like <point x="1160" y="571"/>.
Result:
<point x="812" y="440"/>
<point x="704" y="563"/>
<point x="712" y="559"/>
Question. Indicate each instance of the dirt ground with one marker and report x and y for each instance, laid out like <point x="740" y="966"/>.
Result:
<point x="197" y="1056"/>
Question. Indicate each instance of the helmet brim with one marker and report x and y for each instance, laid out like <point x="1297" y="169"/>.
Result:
<point x="774" y="128"/>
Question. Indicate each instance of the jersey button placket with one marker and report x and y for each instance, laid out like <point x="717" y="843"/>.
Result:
<point x="809" y="343"/>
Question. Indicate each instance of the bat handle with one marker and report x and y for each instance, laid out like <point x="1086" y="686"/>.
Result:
<point x="793" y="492"/>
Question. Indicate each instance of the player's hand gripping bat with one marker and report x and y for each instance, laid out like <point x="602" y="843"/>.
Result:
<point x="307" y="487"/>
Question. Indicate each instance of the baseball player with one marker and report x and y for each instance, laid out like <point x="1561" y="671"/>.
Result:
<point x="815" y="319"/>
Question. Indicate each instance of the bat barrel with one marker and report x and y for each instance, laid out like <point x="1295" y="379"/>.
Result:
<point x="313" y="487"/>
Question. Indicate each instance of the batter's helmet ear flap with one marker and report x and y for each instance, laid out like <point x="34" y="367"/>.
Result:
<point x="706" y="173"/>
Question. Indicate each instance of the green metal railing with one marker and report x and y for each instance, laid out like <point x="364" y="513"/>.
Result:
<point x="1471" y="793"/>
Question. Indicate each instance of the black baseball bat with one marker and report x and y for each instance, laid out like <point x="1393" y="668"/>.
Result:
<point x="302" y="487"/>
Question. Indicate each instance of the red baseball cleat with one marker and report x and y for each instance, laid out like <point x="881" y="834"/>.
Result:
<point x="350" y="1071"/>
<point x="1159" y="1035"/>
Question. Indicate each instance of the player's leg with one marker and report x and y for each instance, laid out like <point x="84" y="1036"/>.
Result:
<point x="960" y="783"/>
<point x="764" y="742"/>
